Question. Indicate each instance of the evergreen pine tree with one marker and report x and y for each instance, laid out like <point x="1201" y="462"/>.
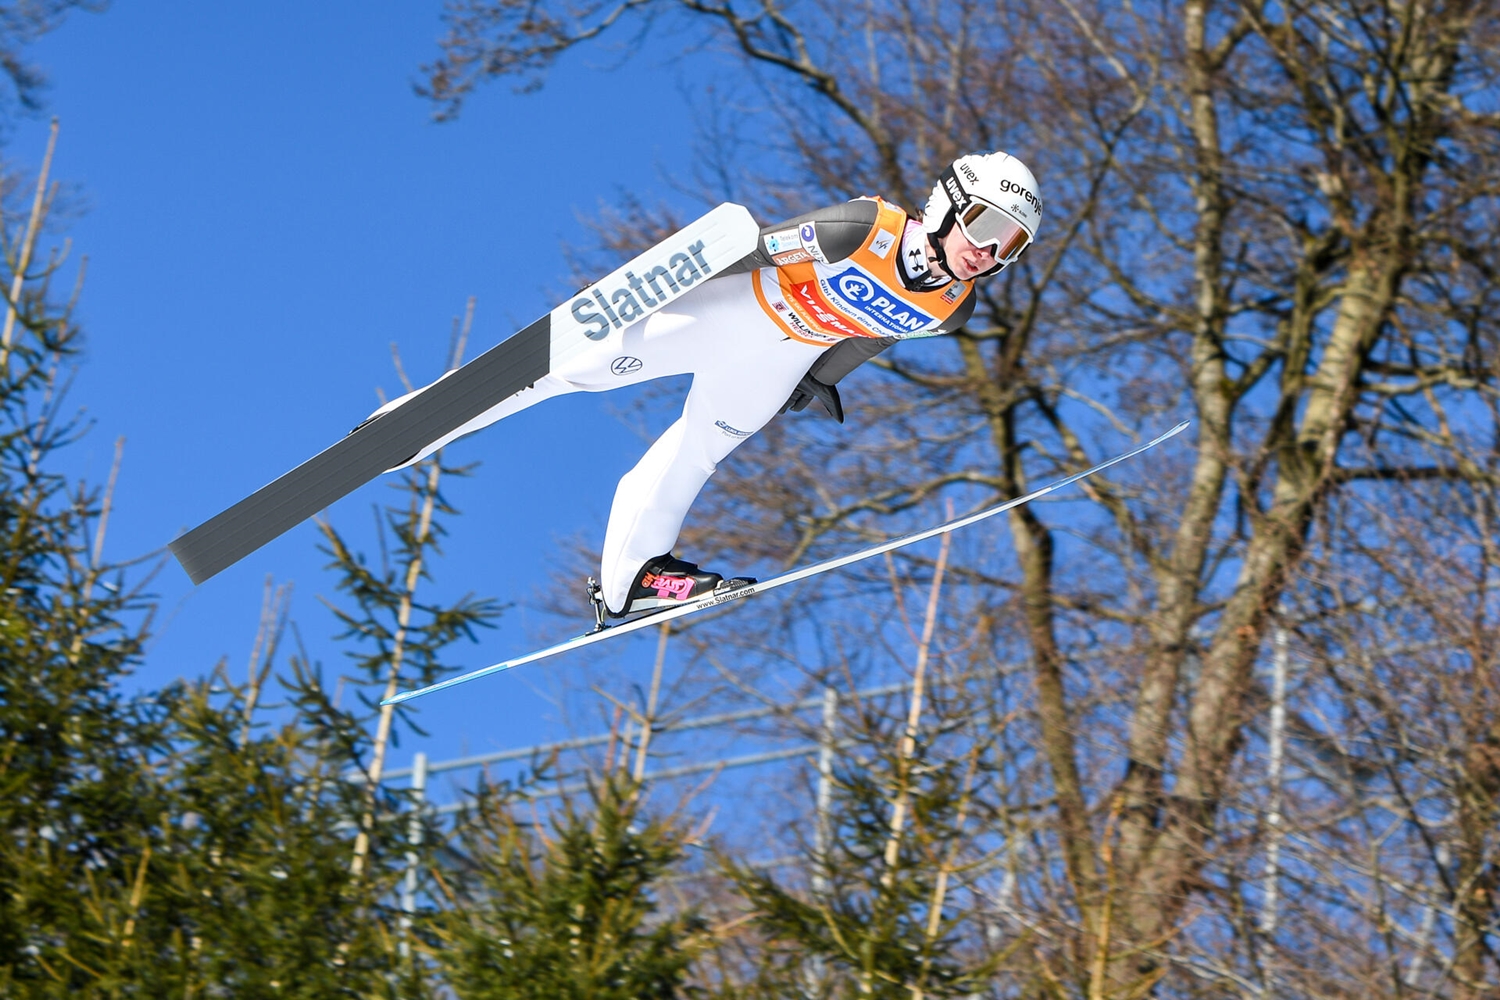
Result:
<point x="872" y="921"/>
<point x="176" y="843"/>
<point x="883" y="911"/>
<point x="75" y="792"/>
<point x="565" y="912"/>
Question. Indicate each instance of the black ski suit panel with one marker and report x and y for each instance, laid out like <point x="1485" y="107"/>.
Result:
<point x="961" y="315"/>
<point x="842" y="229"/>
<point x="842" y="358"/>
<point x="845" y="356"/>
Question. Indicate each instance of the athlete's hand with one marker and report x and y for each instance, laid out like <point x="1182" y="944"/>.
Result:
<point x="810" y="389"/>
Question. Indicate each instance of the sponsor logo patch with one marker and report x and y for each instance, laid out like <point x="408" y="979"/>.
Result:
<point x="599" y="308"/>
<point x="955" y="193"/>
<point x="675" y="587"/>
<point x="860" y="292"/>
<point x="955" y="292"/>
<point x="806" y="333"/>
<point x="916" y="262"/>
<point x="1022" y="192"/>
<point x="881" y="245"/>
<point x="782" y="241"/>
<point x="808" y="296"/>
<point x="796" y="256"/>
<point x="625" y="365"/>
<point x="733" y="432"/>
<point x="809" y="237"/>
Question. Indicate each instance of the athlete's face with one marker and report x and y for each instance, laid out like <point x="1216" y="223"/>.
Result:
<point x="965" y="260"/>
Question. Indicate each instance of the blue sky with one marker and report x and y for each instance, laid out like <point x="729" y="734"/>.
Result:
<point x="266" y="205"/>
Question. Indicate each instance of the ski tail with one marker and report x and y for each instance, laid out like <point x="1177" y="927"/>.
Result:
<point x="696" y="252"/>
<point x="359" y="457"/>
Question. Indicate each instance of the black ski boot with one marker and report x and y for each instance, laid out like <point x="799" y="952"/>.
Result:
<point x="664" y="582"/>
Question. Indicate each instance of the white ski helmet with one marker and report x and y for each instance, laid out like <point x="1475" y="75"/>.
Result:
<point x="993" y="198"/>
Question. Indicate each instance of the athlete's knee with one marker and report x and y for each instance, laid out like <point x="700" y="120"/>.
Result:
<point x="716" y="439"/>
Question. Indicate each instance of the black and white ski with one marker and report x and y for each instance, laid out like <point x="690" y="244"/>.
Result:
<point x="644" y="285"/>
<point x="726" y="596"/>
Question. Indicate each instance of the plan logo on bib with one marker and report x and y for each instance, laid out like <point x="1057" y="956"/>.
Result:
<point x="883" y="309"/>
<point x="855" y="286"/>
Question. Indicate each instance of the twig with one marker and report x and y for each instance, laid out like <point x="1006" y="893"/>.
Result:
<point x="33" y="226"/>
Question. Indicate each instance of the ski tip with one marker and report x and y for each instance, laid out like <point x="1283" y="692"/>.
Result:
<point x="403" y="697"/>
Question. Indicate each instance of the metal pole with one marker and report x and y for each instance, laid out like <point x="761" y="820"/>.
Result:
<point x="414" y="839"/>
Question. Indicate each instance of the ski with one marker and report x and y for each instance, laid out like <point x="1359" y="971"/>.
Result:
<point x="635" y="290"/>
<point x="727" y="596"/>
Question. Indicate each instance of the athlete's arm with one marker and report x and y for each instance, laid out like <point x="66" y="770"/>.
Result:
<point x="847" y="355"/>
<point x="837" y="231"/>
<point x="821" y="380"/>
<point x="810" y="389"/>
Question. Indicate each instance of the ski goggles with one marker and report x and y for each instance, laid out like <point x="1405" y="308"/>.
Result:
<point x="987" y="226"/>
<point x="984" y="224"/>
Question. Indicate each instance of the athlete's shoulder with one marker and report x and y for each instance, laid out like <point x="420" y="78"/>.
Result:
<point x="834" y="233"/>
<point x="827" y="235"/>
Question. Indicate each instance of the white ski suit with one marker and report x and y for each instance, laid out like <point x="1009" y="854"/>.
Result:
<point x="747" y="351"/>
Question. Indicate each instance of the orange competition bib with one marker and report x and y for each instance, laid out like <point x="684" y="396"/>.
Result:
<point x="816" y="302"/>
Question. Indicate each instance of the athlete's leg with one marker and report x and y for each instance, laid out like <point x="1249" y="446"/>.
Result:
<point x="666" y="343"/>
<point x="544" y="388"/>
<point x="734" y="394"/>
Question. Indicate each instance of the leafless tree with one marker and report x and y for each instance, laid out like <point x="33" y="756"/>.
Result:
<point x="1278" y="219"/>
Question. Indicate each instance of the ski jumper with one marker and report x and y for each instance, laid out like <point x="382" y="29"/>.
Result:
<point x="824" y="291"/>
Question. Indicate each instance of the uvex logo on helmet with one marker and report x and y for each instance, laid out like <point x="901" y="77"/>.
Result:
<point x="956" y="193"/>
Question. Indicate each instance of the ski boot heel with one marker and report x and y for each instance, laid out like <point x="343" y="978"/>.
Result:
<point x="596" y="598"/>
